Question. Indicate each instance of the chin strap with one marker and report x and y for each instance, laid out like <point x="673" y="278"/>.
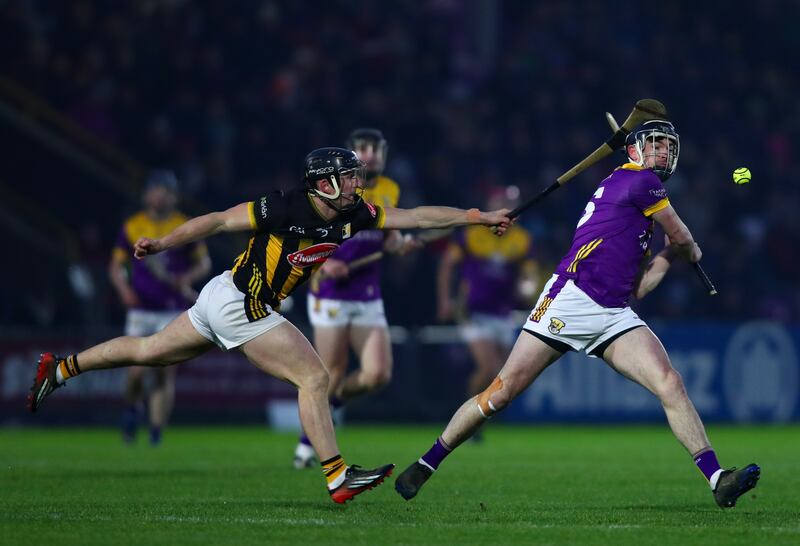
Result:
<point x="337" y="191"/>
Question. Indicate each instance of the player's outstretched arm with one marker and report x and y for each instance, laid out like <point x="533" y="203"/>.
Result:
<point x="444" y="217"/>
<point x="234" y="219"/>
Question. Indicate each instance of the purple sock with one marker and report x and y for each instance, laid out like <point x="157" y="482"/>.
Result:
<point x="155" y="436"/>
<point x="706" y="461"/>
<point x="304" y="440"/>
<point x="436" y="454"/>
<point x="130" y="421"/>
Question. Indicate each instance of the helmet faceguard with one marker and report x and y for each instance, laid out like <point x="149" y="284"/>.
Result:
<point x="653" y="131"/>
<point x="332" y="164"/>
<point x="370" y="140"/>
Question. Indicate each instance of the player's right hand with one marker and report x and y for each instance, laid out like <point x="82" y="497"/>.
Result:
<point x="695" y="254"/>
<point x="498" y="220"/>
<point x="145" y="247"/>
<point x="335" y="269"/>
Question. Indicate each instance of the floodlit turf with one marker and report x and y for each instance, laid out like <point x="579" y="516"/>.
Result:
<point x="523" y="485"/>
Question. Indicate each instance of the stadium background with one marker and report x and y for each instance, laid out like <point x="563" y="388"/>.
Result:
<point x="470" y="95"/>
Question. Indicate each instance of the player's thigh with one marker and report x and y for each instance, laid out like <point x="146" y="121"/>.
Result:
<point x="177" y="342"/>
<point x="639" y="356"/>
<point x="373" y="346"/>
<point x="285" y="353"/>
<point x="332" y="345"/>
<point x="529" y="357"/>
<point x="487" y="353"/>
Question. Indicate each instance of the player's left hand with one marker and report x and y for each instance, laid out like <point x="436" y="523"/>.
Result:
<point x="498" y="220"/>
<point x="408" y="244"/>
<point x="145" y="247"/>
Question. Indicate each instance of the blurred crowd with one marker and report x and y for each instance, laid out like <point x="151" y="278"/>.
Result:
<point x="471" y="94"/>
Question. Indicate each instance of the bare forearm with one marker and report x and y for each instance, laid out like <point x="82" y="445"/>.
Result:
<point x="116" y="273"/>
<point x="654" y="273"/>
<point x="445" y="217"/>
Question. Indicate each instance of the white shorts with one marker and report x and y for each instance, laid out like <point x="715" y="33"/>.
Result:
<point x="483" y="326"/>
<point x="339" y="313"/>
<point x="219" y="314"/>
<point x="140" y="322"/>
<point x="572" y="320"/>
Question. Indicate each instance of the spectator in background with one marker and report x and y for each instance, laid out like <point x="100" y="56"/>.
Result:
<point x="155" y="290"/>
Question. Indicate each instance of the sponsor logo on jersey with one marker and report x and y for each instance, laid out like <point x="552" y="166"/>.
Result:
<point x="346" y="231"/>
<point x="297" y="229"/>
<point x="315" y="254"/>
<point x="556" y="324"/>
<point x="372" y="210"/>
<point x="263" y="207"/>
<point x="661" y="193"/>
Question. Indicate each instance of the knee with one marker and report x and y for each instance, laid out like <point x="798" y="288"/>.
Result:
<point x="670" y="385"/>
<point x="376" y="379"/>
<point x="316" y="379"/>
<point x="495" y="398"/>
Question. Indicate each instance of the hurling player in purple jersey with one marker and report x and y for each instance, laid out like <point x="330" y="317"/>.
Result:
<point x="292" y="233"/>
<point x="493" y="275"/>
<point x="345" y="305"/>
<point x="584" y="306"/>
<point x="155" y="291"/>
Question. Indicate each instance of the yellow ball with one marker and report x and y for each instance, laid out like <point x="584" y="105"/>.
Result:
<point x="741" y="175"/>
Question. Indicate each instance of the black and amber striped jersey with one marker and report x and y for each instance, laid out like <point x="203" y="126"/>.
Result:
<point x="291" y="240"/>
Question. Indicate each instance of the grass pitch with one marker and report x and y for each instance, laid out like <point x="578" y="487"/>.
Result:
<point x="522" y="485"/>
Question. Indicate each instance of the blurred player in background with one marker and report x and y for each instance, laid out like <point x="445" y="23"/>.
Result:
<point x="585" y="306"/>
<point x="495" y="273"/>
<point x="292" y="234"/>
<point x="155" y="291"/>
<point x="345" y="305"/>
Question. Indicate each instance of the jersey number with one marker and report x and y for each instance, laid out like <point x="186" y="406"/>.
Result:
<point x="589" y="210"/>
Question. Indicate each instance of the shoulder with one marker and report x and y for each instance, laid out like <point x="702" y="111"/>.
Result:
<point x="135" y="224"/>
<point x="388" y="185"/>
<point x="273" y="207"/>
<point x="386" y="192"/>
<point x="636" y="176"/>
<point x="519" y="235"/>
<point x="175" y="219"/>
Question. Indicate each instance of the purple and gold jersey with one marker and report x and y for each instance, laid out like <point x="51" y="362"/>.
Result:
<point x="291" y="239"/>
<point x="363" y="284"/>
<point x="613" y="235"/>
<point x="152" y="278"/>
<point x="490" y="267"/>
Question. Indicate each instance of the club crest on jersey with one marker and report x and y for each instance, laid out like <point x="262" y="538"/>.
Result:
<point x="556" y="324"/>
<point x="315" y="254"/>
<point x="346" y="231"/>
<point x="372" y="210"/>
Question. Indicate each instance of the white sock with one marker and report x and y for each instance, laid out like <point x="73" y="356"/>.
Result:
<point x="339" y="479"/>
<point x="59" y="376"/>
<point x="714" y="479"/>
<point x="423" y="463"/>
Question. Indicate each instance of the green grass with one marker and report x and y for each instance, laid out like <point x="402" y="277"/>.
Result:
<point x="543" y="485"/>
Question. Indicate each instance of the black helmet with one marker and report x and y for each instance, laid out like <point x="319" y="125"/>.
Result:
<point x="652" y="130"/>
<point x="331" y="164"/>
<point x="373" y="137"/>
